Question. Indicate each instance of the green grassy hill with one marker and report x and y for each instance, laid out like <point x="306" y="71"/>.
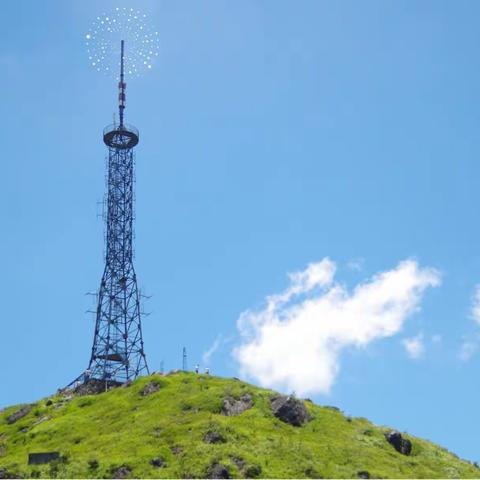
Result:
<point x="176" y="429"/>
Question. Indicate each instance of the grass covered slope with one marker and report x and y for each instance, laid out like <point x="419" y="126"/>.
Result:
<point x="120" y="433"/>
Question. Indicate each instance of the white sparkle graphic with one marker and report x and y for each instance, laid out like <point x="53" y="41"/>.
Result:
<point x="103" y="42"/>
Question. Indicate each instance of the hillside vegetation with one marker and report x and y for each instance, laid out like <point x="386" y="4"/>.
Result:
<point x="176" y="426"/>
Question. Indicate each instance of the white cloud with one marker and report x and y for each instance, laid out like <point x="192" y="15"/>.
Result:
<point x="295" y="341"/>
<point x="470" y="345"/>
<point x="476" y="305"/>
<point x="468" y="349"/>
<point x="213" y="348"/>
<point x="414" y="346"/>
<point x="356" y="264"/>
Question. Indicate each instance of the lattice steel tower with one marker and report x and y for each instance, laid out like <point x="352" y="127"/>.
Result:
<point x="117" y="353"/>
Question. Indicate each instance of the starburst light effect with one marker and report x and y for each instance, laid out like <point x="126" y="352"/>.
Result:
<point x="103" y="42"/>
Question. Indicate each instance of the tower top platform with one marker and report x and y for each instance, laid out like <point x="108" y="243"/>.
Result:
<point x="120" y="136"/>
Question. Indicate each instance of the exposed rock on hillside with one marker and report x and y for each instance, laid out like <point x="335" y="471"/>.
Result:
<point x="41" y="420"/>
<point x="400" y="444"/>
<point x="363" y="474"/>
<point x="150" y="388"/>
<point x="290" y="410"/>
<point x="94" y="387"/>
<point x="122" y="472"/>
<point x="232" y="407"/>
<point x="4" y="473"/>
<point x="213" y="437"/>
<point x="17" y="415"/>
<point x="218" y="470"/>
<point x="158" y="462"/>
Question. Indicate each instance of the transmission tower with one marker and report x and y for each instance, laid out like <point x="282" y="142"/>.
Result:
<point x="117" y="352"/>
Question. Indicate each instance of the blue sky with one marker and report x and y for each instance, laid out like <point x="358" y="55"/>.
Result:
<point x="273" y="134"/>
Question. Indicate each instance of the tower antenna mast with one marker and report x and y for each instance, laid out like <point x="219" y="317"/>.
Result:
<point x="122" y="85"/>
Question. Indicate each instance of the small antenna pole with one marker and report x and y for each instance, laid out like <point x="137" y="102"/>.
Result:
<point x="184" y="363"/>
<point x="121" y="85"/>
